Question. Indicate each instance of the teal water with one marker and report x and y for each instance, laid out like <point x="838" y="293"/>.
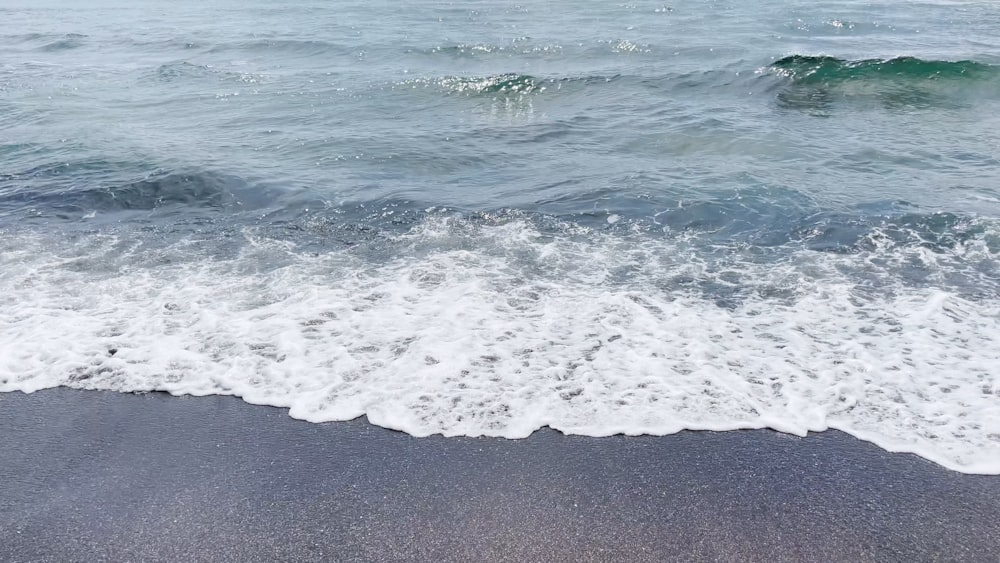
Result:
<point x="487" y="218"/>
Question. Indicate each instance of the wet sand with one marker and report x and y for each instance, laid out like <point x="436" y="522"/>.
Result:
<point x="99" y="476"/>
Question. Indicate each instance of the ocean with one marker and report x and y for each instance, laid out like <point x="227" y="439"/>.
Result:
<point x="484" y="218"/>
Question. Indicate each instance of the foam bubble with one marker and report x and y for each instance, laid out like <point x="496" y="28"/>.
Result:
<point x="500" y="329"/>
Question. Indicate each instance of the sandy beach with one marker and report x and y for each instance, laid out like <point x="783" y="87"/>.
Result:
<point x="101" y="476"/>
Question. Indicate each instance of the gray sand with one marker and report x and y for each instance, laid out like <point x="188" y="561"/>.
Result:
<point x="91" y="476"/>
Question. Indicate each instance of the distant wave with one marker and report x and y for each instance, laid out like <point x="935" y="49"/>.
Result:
<point x="41" y="37"/>
<point x="71" y="41"/>
<point x="472" y="50"/>
<point x="817" y="83"/>
<point x="184" y="71"/>
<point x="289" y="46"/>
<point x="804" y="82"/>
<point x="497" y="84"/>
<point x="814" y="69"/>
<point x="503" y="84"/>
<point x="46" y="42"/>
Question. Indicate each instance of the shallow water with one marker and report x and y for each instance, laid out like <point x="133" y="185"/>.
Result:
<point x="629" y="218"/>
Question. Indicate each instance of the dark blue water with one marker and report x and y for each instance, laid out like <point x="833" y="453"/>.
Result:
<point x="487" y="218"/>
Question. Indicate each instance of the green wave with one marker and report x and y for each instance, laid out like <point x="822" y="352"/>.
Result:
<point x="825" y="69"/>
<point x="497" y="84"/>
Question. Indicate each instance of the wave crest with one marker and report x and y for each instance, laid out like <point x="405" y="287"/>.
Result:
<point x="812" y="69"/>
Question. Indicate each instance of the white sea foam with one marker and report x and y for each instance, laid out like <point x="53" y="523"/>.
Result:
<point x="502" y="329"/>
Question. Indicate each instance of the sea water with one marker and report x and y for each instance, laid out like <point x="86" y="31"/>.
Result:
<point x="482" y="218"/>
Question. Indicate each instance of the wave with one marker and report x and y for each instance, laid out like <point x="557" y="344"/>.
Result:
<point x="502" y="323"/>
<point x="502" y="84"/>
<point x="497" y="84"/>
<point x="886" y="251"/>
<point x="505" y="85"/>
<point x="88" y="192"/>
<point x="48" y="42"/>
<point x="524" y="47"/>
<point x="521" y="48"/>
<point x="44" y="193"/>
<point x="65" y="44"/>
<point x="807" y="79"/>
<point x="825" y="69"/>
<point x="199" y="190"/>
<point x="184" y="71"/>
<point x="818" y="83"/>
<point x="811" y="83"/>
<point x="771" y="217"/>
<point x="299" y="47"/>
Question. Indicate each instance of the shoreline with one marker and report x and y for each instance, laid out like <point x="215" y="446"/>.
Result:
<point x="100" y="475"/>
